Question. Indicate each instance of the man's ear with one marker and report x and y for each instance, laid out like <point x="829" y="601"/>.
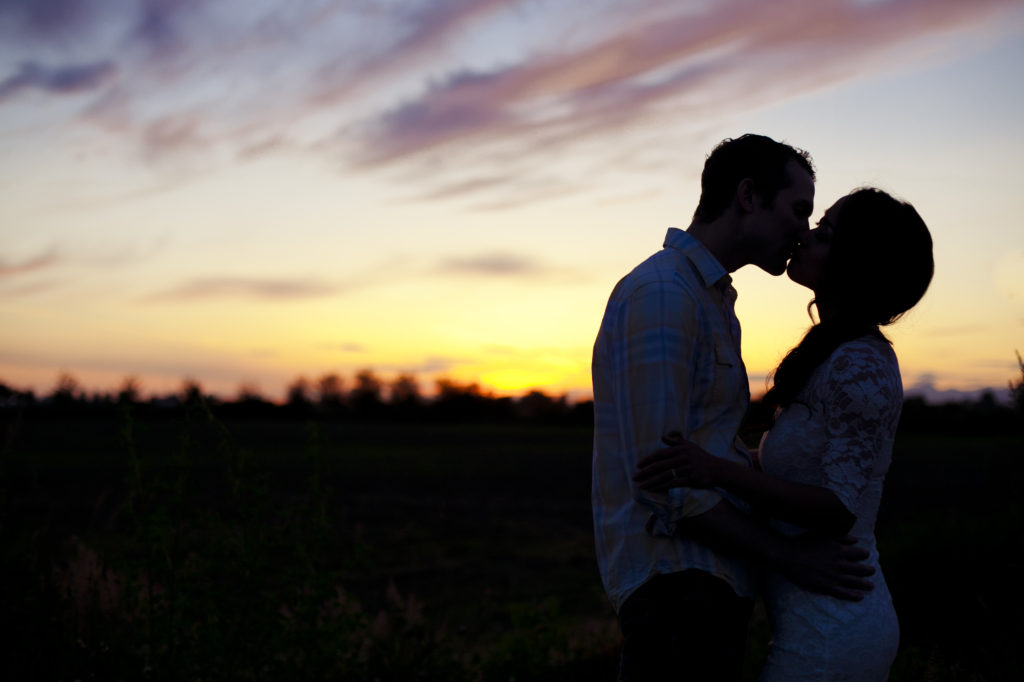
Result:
<point x="745" y="195"/>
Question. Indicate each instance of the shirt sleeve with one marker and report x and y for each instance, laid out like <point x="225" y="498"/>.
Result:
<point x="661" y="327"/>
<point x="861" y="405"/>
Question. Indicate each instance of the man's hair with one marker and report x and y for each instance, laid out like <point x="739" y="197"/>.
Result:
<point x="757" y="157"/>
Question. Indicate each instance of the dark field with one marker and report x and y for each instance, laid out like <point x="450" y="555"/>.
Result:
<point x="184" y="548"/>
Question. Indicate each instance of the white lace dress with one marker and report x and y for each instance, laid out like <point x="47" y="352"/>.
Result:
<point x="837" y="435"/>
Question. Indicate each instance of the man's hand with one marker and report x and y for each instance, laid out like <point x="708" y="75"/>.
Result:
<point x="681" y="464"/>
<point x="828" y="566"/>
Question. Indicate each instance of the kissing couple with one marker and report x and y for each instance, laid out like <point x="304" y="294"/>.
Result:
<point x="689" y="523"/>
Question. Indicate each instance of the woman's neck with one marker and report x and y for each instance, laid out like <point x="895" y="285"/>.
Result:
<point x="827" y="310"/>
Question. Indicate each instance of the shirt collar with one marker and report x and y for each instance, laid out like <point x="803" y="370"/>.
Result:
<point x="704" y="264"/>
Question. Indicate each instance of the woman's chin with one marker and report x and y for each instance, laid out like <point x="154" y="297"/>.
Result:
<point x="793" y="272"/>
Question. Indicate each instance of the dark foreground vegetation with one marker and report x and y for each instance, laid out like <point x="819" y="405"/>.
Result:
<point x="187" y="542"/>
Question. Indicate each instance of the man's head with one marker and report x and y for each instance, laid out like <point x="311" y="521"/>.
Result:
<point x="758" y="158"/>
<point x="768" y="187"/>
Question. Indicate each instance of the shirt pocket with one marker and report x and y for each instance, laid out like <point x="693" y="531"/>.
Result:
<point x="725" y="356"/>
<point x="725" y="386"/>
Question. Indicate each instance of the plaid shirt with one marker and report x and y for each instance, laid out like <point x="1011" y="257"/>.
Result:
<point x="667" y="358"/>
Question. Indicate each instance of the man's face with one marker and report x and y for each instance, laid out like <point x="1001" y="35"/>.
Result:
<point x="774" y="231"/>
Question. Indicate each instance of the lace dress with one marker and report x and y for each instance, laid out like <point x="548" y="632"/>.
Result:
<point x="838" y="434"/>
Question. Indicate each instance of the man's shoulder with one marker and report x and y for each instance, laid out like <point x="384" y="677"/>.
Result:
<point x="663" y="270"/>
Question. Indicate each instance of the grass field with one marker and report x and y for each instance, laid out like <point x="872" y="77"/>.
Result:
<point x="194" y="549"/>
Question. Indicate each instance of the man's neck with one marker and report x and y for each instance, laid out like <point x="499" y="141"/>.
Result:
<point x="719" y="237"/>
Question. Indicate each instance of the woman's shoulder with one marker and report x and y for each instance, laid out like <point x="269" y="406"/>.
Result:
<point x="869" y="358"/>
<point x="868" y="346"/>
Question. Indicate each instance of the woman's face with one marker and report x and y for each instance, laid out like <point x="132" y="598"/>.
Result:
<point x="807" y="265"/>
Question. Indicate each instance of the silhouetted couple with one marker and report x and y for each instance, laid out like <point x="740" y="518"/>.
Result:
<point x="689" y="523"/>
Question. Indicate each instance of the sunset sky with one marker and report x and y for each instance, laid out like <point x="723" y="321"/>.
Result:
<point x="249" y="191"/>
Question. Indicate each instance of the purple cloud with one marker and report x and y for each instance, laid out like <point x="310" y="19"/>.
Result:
<point x="459" y="109"/>
<point x="380" y="84"/>
<point x="416" y="34"/>
<point x="568" y="97"/>
<point x="45" y="19"/>
<point x="70" y="79"/>
<point x="159" y="27"/>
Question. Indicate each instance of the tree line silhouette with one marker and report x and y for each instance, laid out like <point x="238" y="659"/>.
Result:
<point x="368" y="397"/>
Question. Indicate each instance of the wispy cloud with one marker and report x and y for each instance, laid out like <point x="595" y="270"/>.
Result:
<point x="51" y="21"/>
<point x="237" y="287"/>
<point x="925" y="388"/>
<point x="172" y="133"/>
<point x="29" y="288"/>
<point x="60" y="266"/>
<point x="44" y="260"/>
<point x="68" y="79"/>
<point x="413" y="35"/>
<point x="346" y="347"/>
<point x="492" y="264"/>
<point x="570" y="96"/>
<point x="429" y="365"/>
<point x="391" y="84"/>
<point x="458" y="188"/>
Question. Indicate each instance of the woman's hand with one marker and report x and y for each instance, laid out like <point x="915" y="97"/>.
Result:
<point x="681" y="464"/>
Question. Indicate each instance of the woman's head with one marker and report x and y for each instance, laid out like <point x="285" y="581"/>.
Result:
<point x="869" y="260"/>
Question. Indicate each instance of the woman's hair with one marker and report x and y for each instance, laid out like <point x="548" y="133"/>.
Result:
<point x="879" y="266"/>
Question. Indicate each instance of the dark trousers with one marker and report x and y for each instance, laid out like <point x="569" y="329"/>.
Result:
<point x="683" y="626"/>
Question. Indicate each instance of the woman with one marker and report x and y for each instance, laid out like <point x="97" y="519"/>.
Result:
<point x="838" y="396"/>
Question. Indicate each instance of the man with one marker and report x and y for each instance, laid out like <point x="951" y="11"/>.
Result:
<point x="679" y="567"/>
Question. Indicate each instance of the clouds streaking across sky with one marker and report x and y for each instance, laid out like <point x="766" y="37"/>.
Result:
<point x="202" y="181"/>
